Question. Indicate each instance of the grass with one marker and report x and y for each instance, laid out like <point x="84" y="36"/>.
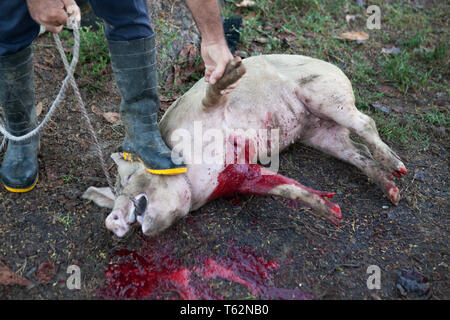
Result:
<point x="403" y="73"/>
<point x="64" y="219"/>
<point x="419" y="70"/>
<point x="94" y="54"/>
<point x="437" y="118"/>
<point x="67" y="178"/>
<point x="166" y="36"/>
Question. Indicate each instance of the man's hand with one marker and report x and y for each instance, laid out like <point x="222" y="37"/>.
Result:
<point x="215" y="51"/>
<point x="52" y="14"/>
<point x="216" y="57"/>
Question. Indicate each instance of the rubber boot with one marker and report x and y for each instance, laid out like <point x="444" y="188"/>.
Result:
<point x="19" y="170"/>
<point x="134" y="66"/>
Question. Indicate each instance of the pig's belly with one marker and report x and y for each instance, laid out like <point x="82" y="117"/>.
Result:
<point x="278" y="118"/>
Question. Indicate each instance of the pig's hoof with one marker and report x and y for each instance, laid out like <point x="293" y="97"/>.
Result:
<point x="334" y="213"/>
<point x="394" y="195"/>
<point x="400" y="172"/>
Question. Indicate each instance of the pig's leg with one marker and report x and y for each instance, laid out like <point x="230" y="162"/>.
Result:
<point x="335" y="140"/>
<point x="341" y="108"/>
<point x="255" y="179"/>
<point x="365" y="127"/>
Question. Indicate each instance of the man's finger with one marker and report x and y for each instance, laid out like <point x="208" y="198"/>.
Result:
<point x="53" y="29"/>
<point x="207" y="75"/>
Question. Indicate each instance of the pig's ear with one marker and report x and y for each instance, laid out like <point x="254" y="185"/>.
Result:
<point x="117" y="157"/>
<point x="102" y="197"/>
<point x="126" y="168"/>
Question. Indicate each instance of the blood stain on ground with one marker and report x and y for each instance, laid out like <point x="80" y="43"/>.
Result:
<point x="151" y="274"/>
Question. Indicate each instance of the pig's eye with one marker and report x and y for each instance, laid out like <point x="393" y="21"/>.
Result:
<point x="140" y="204"/>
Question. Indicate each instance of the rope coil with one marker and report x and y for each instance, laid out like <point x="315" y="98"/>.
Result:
<point x="73" y="24"/>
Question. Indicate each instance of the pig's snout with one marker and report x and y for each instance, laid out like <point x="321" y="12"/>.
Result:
<point x="117" y="223"/>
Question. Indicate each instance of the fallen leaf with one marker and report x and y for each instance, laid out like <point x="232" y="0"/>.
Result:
<point x="96" y="110"/>
<point x="41" y="66"/>
<point x="288" y="37"/>
<point x="163" y="98"/>
<point x="46" y="272"/>
<point x="169" y="81"/>
<point x="380" y="107"/>
<point x="355" y="36"/>
<point x="186" y="67"/>
<point x="246" y="4"/>
<point x="50" y="60"/>
<point x="250" y="15"/>
<point x="111" y="117"/>
<point x="388" y="90"/>
<point x="262" y="40"/>
<point x="398" y="109"/>
<point x="188" y="54"/>
<point x="39" y="108"/>
<point x="8" y="277"/>
<point x="174" y="97"/>
<point x="412" y="281"/>
<point x="391" y="50"/>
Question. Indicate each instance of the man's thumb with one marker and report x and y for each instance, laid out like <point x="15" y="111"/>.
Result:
<point x="217" y="73"/>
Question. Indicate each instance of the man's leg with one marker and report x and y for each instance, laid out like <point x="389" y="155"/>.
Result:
<point x="133" y="58"/>
<point x="19" y="170"/>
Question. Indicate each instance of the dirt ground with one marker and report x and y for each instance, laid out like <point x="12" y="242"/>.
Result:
<point x="44" y="231"/>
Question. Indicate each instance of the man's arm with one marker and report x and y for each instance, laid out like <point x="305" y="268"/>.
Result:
<point x="214" y="48"/>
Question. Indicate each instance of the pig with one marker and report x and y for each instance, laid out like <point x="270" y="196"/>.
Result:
<point x="304" y="99"/>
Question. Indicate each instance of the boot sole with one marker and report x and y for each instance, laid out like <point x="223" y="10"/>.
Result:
<point x="21" y="190"/>
<point x="129" y="157"/>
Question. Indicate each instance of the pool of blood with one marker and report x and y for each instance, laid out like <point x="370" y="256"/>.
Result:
<point x="155" y="274"/>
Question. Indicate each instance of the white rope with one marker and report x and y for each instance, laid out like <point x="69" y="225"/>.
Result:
<point x="70" y="69"/>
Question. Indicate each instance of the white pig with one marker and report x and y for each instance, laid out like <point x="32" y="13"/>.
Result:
<point x="306" y="99"/>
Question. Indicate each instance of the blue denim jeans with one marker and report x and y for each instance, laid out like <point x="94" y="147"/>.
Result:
<point x="124" y="20"/>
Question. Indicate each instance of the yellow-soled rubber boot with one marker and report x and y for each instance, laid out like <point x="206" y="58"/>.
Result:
<point x="134" y="66"/>
<point x="19" y="169"/>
